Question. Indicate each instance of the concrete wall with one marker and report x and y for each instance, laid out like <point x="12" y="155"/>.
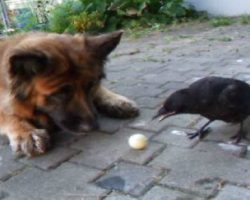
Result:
<point x="222" y="7"/>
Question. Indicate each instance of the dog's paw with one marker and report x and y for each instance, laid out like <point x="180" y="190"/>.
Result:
<point x="33" y="143"/>
<point x="120" y="107"/>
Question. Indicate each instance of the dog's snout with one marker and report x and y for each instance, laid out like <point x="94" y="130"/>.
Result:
<point x="77" y="123"/>
<point x="89" y="126"/>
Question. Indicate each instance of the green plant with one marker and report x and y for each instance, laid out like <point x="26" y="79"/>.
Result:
<point x="245" y="19"/>
<point x="87" y="21"/>
<point x="61" y="15"/>
<point x="25" y="20"/>
<point x="107" y="15"/>
<point x="221" y="21"/>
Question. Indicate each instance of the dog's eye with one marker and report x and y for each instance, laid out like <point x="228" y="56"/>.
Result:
<point x="89" y="86"/>
<point x="63" y="93"/>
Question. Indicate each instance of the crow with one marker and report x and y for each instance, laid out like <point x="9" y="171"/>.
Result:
<point x="213" y="97"/>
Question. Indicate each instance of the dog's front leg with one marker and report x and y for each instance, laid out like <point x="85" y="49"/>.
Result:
<point x="114" y="105"/>
<point x="23" y="137"/>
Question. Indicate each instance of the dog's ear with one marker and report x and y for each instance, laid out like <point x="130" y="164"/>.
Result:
<point x="27" y="64"/>
<point x="101" y="46"/>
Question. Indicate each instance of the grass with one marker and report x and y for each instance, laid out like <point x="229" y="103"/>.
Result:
<point x="214" y="22"/>
<point x="245" y="19"/>
<point x="227" y="21"/>
<point x="225" y="39"/>
<point x="221" y="21"/>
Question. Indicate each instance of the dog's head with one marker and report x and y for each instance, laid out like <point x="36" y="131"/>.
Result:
<point x="57" y="74"/>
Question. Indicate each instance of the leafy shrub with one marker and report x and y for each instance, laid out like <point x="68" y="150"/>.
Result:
<point x="106" y="15"/>
<point x="87" y="21"/>
<point x="26" y="20"/>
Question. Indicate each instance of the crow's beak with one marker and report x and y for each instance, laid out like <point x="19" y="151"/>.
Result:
<point x="163" y="114"/>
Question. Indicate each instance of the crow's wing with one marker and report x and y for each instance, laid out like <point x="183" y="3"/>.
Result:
<point x="234" y="97"/>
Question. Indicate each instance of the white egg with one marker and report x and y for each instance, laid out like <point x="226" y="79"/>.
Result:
<point x="138" y="141"/>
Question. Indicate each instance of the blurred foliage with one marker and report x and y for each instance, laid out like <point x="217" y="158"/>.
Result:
<point x="26" y="20"/>
<point x="245" y="19"/>
<point x="107" y="15"/>
<point x="221" y="21"/>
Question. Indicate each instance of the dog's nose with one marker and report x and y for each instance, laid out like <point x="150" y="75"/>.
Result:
<point x="89" y="126"/>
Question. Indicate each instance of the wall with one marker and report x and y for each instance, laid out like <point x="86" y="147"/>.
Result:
<point x="222" y="7"/>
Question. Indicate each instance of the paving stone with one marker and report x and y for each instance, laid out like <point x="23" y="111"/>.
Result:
<point x="184" y="120"/>
<point x="8" y="164"/>
<point x="238" y="150"/>
<point x="3" y="195"/>
<point x="63" y="139"/>
<point x="3" y="140"/>
<point x="51" y="159"/>
<point x="67" y="182"/>
<point x="173" y="86"/>
<point x="161" y="193"/>
<point x="101" y="150"/>
<point x="139" y="91"/>
<point x="230" y="192"/>
<point x="176" y="136"/>
<point x="143" y="156"/>
<point x="117" y="196"/>
<point x="130" y="178"/>
<point x="163" y="77"/>
<point x="149" y="102"/>
<point x="201" y="169"/>
<point x="145" y="122"/>
<point x="111" y="125"/>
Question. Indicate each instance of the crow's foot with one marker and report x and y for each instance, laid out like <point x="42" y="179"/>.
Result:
<point x="238" y="137"/>
<point x="200" y="133"/>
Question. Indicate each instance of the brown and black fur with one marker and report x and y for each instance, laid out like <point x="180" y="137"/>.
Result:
<point x="51" y="79"/>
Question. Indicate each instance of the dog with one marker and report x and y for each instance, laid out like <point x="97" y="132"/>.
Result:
<point x="52" y="80"/>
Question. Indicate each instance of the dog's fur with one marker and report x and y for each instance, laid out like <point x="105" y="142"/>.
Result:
<point x="48" y="80"/>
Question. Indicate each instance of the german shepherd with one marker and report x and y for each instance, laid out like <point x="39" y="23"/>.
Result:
<point x="49" y="80"/>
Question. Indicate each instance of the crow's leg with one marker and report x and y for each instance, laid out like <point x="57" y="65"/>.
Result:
<point x="240" y="135"/>
<point x="201" y="132"/>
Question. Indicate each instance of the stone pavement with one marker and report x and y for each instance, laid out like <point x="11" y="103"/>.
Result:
<point x="100" y="165"/>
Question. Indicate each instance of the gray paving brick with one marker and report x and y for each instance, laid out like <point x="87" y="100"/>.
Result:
<point x="173" y="86"/>
<point x="129" y="178"/>
<point x="238" y="150"/>
<point x="3" y="140"/>
<point x="117" y="196"/>
<point x="162" y="193"/>
<point x="101" y="150"/>
<point x="143" y="156"/>
<point x="8" y="164"/>
<point x="63" y="139"/>
<point x="163" y="77"/>
<point x="51" y="159"/>
<point x="230" y="192"/>
<point x="3" y="194"/>
<point x="111" y="125"/>
<point x="149" y="102"/>
<point x="141" y="90"/>
<point x="68" y="182"/>
<point x="200" y="169"/>
<point x="176" y="136"/>
<point x="145" y="122"/>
